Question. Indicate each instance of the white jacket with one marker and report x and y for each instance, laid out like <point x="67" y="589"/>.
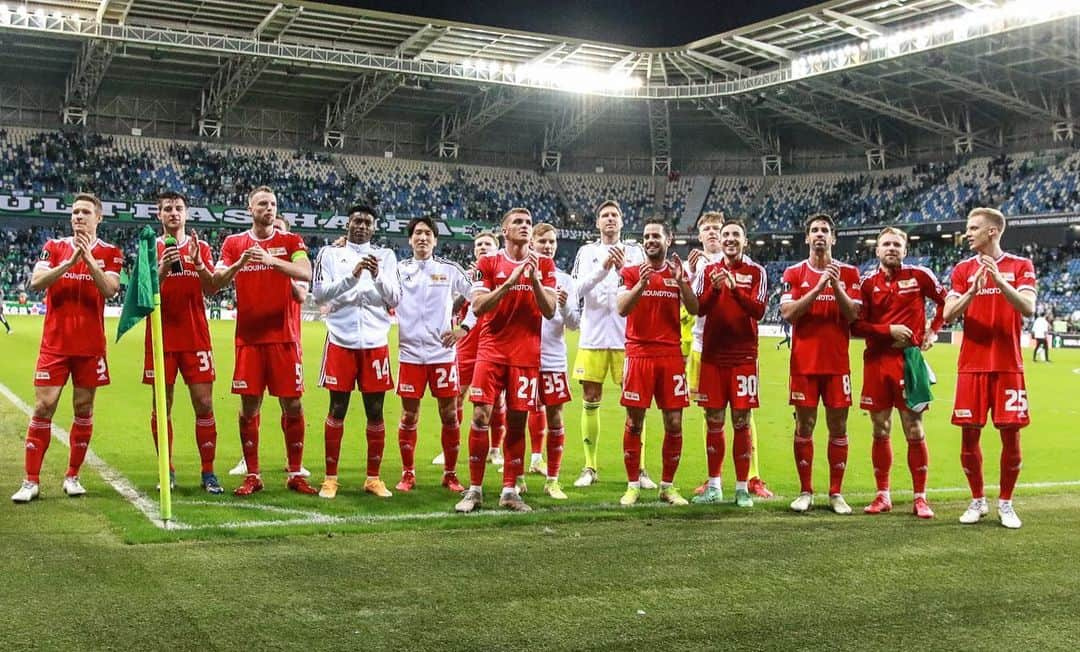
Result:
<point x="428" y="291"/>
<point x="601" y="325"/>
<point x="359" y="308"/>
<point x="553" y="331"/>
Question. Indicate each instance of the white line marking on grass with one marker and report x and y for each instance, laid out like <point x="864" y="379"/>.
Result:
<point x="111" y="476"/>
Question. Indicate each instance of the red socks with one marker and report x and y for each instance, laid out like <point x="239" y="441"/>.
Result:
<point x="498" y="427"/>
<point x="249" y="442"/>
<point x="556" y="438"/>
<point x="478" y="450"/>
<point x="804" y="462"/>
<point x="882" y="456"/>
<point x="537" y="426"/>
<point x="206" y="440"/>
<point x="671" y="451"/>
<point x="154" y="433"/>
<point x="971" y="460"/>
<point x="714" y="449"/>
<point x="514" y="458"/>
<point x="406" y="435"/>
<point x="333" y="432"/>
<point x="451" y="444"/>
<point x="918" y="460"/>
<point x="293" y="427"/>
<point x="631" y="445"/>
<point x="376" y="441"/>
<point x="38" y="438"/>
<point x="82" y="428"/>
<point x="744" y="450"/>
<point x="1011" y="461"/>
<point x="838" y="452"/>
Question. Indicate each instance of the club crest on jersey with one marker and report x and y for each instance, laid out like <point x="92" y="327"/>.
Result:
<point x="907" y="283"/>
<point x="100" y="262"/>
<point x="277" y="251"/>
<point x="1008" y="276"/>
<point x="744" y="278"/>
<point x="439" y="278"/>
<point x="671" y="283"/>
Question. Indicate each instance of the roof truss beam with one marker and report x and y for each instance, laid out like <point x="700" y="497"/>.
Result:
<point x="478" y="112"/>
<point x="864" y="26"/>
<point x="758" y="47"/>
<point x="358" y="99"/>
<point x="740" y="124"/>
<point x="660" y="132"/>
<point x="580" y="113"/>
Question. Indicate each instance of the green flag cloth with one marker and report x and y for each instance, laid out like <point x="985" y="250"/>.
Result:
<point x="917" y="380"/>
<point x="139" y="301"/>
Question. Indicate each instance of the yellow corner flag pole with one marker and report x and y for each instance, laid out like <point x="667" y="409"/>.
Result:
<point x="162" y="412"/>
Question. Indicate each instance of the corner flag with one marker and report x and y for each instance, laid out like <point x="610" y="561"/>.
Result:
<point x="144" y="298"/>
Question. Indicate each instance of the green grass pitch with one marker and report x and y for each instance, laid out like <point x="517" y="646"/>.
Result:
<point x="282" y="568"/>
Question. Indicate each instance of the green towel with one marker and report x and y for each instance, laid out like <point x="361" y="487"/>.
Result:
<point x="917" y="380"/>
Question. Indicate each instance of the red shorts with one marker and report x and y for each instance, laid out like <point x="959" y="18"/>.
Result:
<point x="554" y="388"/>
<point x="465" y="369"/>
<point x="441" y="377"/>
<point x="365" y="369"/>
<point x="86" y="371"/>
<point x="883" y="383"/>
<point x="834" y="390"/>
<point x="195" y="366"/>
<point x="1002" y="393"/>
<point x="662" y="378"/>
<point x="491" y="378"/>
<point x="720" y="386"/>
<point x="268" y="367"/>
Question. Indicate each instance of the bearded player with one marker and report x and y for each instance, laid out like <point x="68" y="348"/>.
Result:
<point x="893" y="321"/>
<point x="992" y="291"/>
<point x="649" y="300"/>
<point x="512" y="295"/>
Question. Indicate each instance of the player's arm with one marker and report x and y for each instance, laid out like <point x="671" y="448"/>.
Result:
<point x="751" y="300"/>
<point x="543" y="285"/>
<point x="629" y="297"/>
<point x="300" y="291"/>
<point x="487" y="296"/>
<point x="387" y="282"/>
<point x="587" y="279"/>
<point x="849" y="305"/>
<point x="961" y="295"/>
<point x="44" y="276"/>
<point x="792" y="308"/>
<point x="933" y="290"/>
<point x="228" y="265"/>
<point x="686" y="290"/>
<point x="106" y="280"/>
<point x="1023" y="297"/>
<point x="571" y="308"/>
<point x="298" y="267"/>
<point x="326" y="287"/>
<point x="203" y="263"/>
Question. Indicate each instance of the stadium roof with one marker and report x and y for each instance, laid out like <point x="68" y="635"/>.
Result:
<point x="864" y="72"/>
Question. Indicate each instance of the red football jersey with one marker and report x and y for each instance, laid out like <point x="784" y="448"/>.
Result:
<point x="819" y="339"/>
<point x="731" y="316"/>
<point x="183" y="311"/>
<point x="897" y="300"/>
<point x="74" y="306"/>
<point x="992" y="326"/>
<point x="653" y="329"/>
<point x="466" y="346"/>
<point x="264" y="301"/>
<point x="510" y="334"/>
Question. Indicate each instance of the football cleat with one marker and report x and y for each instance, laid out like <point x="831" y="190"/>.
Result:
<point x="587" y="478"/>
<point x="27" y="492"/>
<point x="520" y="486"/>
<point x="252" y="483"/>
<point x="377" y="487"/>
<point x="407" y="482"/>
<point x="975" y="511"/>
<point x="299" y="484"/>
<point x="700" y="489"/>
<point x="554" y="489"/>
<point x="451" y="482"/>
<point x="211" y="485"/>
<point x="172" y="481"/>
<point x="711" y="496"/>
<point x="240" y="468"/>
<point x="879" y="505"/>
<point x="329" y="488"/>
<point x="513" y="502"/>
<point x="73" y="487"/>
<point x="439" y="460"/>
<point x="838" y="505"/>
<point x="757" y="488"/>
<point x="470" y="501"/>
<point x="743" y="499"/>
<point x="538" y="467"/>
<point x="671" y="496"/>
<point x="630" y="497"/>
<point x="1008" y="516"/>
<point x="921" y="508"/>
<point x="645" y="481"/>
<point x="803" y="502"/>
<point x="495" y="456"/>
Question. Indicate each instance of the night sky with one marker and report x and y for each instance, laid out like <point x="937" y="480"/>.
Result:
<point x="641" y="23"/>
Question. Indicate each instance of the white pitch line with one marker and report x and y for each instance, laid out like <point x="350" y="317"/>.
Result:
<point x="111" y="476"/>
